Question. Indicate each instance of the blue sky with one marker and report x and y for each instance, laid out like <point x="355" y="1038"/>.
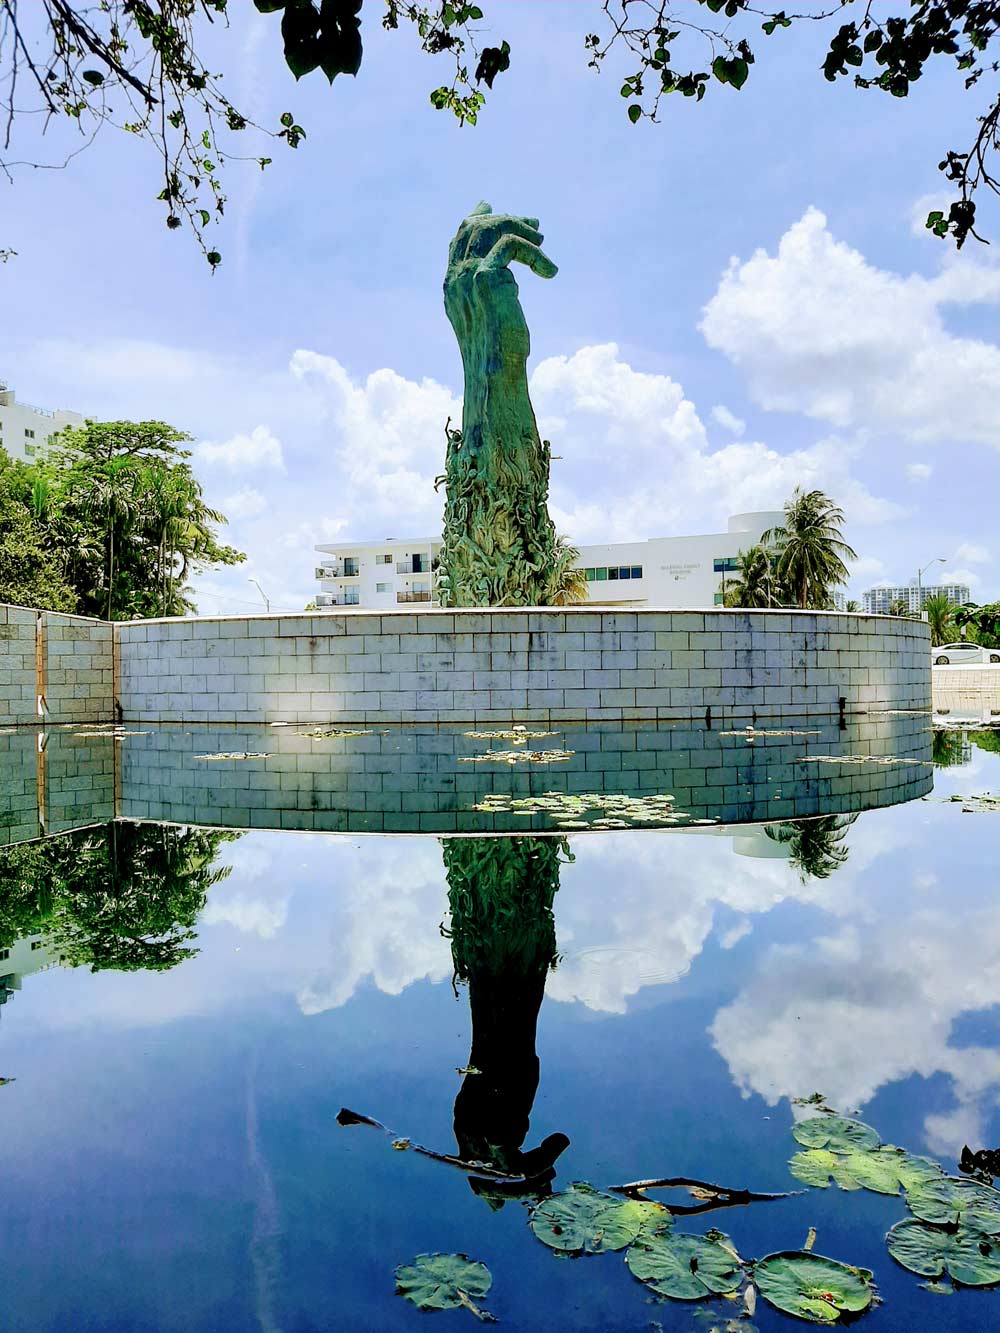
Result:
<point x="744" y="302"/>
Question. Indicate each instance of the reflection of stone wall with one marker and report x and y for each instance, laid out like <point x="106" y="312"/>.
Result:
<point x="968" y="692"/>
<point x="18" y="785"/>
<point x="419" y="778"/>
<point x="79" y="780"/>
<point x="502" y="665"/>
<point x="65" y="783"/>
<point x="76" y="656"/>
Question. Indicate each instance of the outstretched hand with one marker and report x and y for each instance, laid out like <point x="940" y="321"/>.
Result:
<point x="488" y="240"/>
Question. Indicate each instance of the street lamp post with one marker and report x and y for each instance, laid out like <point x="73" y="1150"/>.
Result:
<point x="267" y="602"/>
<point x="938" y="560"/>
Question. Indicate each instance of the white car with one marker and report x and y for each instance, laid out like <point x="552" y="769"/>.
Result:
<point x="962" y="654"/>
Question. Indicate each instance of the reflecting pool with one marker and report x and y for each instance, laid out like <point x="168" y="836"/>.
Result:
<point x="202" y="1013"/>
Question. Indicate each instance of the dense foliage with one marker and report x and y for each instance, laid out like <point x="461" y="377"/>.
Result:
<point x="138" y="65"/>
<point x="119" y="521"/>
<point x="123" y="896"/>
<point x="31" y="573"/>
<point x="979" y="623"/>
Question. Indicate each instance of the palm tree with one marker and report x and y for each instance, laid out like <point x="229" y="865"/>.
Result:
<point x="852" y="605"/>
<point x="939" y="612"/>
<point x="755" y="585"/>
<point x="810" y="548"/>
<point x="110" y="493"/>
<point x="898" y="608"/>
<point x="571" y="587"/>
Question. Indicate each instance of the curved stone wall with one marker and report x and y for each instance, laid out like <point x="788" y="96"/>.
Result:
<point x="537" y="665"/>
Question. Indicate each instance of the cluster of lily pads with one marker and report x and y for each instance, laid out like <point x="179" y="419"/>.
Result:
<point x="518" y="757"/>
<point x="573" y="810"/>
<point x="679" y="1266"/>
<point x="975" y="804"/>
<point x="884" y="759"/>
<point x="225" y="754"/>
<point x="520" y="735"/>
<point x="954" y="1230"/>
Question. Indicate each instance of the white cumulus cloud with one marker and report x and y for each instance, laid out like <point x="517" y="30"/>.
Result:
<point x="244" y="503"/>
<point x="819" y="330"/>
<point x="728" y="420"/>
<point x="919" y="471"/>
<point x="259" y="449"/>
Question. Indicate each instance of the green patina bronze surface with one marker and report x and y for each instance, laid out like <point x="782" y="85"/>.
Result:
<point x="500" y="545"/>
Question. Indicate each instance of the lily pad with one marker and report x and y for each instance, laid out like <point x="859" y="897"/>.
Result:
<point x="812" y="1287"/>
<point x="582" y="1220"/>
<point x="835" y="1132"/>
<point x="966" y="1256"/>
<point x="949" y="1200"/>
<point x="688" y="1268"/>
<point x="445" y="1282"/>
<point x="885" y="1170"/>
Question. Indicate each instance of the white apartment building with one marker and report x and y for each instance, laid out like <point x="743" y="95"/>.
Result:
<point x="377" y="575"/>
<point x="880" y="600"/>
<point x="26" y="430"/>
<point x="661" y="571"/>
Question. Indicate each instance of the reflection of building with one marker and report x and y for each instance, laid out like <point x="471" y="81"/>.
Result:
<point x="880" y="600"/>
<point x="25" y="430"/>
<point x="21" y="959"/>
<point x="661" y="571"/>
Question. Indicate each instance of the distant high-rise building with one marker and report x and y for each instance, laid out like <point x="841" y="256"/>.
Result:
<point x="881" y="599"/>
<point x="26" y="430"/>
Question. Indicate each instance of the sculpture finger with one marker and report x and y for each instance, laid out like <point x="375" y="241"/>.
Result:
<point x="487" y="231"/>
<point x="509" y="249"/>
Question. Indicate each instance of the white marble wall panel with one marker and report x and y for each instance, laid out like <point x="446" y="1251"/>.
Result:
<point x="521" y="665"/>
<point x="17" y="665"/>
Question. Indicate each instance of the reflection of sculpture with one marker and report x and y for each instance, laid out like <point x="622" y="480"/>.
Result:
<point x="500" y="546"/>
<point x="500" y="891"/>
<point x="123" y="896"/>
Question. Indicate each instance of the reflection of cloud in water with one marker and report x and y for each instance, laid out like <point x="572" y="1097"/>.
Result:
<point x="869" y="1006"/>
<point x="390" y="905"/>
<point x="253" y="916"/>
<point x="637" y="911"/>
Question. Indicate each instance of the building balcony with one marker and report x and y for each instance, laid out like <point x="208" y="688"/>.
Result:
<point x="413" y="597"/>
<point x="413" y="566"/>
<point x="335" y="599"/>
<point x="336" y="572"/>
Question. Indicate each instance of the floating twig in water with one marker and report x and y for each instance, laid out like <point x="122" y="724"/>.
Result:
<point x="401" y="1143"/>
<point x="710" y="1196"/>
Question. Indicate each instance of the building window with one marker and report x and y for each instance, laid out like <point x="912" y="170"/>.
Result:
<point x="4" y="955"/>
<point x="28" y="434"/>
<point x="383" y="559"/>
<point x="719" y="599"/>
<point x="36" y="944"/>
<point x="381" y="587"/>
<point x="600" y="573"/>
<point x="350" y="566"/>
<point x="728" y="565"/>
<point x="421" y="586"/>
<point x="352" y="597"/>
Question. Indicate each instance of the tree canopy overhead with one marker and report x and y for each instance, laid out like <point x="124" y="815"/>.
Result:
<point x="138" y="65"/>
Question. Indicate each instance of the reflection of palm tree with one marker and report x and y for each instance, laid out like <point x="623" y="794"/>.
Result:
<point x="815" y="846"/>
<point x="503" y="943"/>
